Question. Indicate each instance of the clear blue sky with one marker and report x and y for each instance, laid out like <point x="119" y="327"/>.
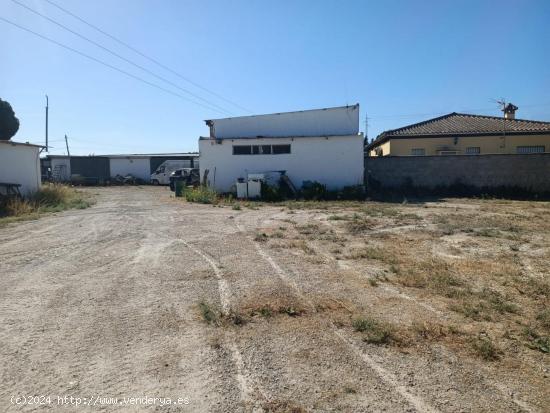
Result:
<point x="403" y="61"/>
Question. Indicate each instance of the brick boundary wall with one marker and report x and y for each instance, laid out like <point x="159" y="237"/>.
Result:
<point x="530" y="173"/>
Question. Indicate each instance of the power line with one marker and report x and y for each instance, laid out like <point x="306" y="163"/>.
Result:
<point x="120" y="56"/>
<point x="412" y="115"/>
<point x="155" y="61"/>
<point x="107" y="64"/>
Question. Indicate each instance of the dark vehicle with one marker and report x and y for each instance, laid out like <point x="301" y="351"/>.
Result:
<point x="189" y="176"/>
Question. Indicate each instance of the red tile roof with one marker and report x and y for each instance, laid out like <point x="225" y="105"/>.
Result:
<point x="460" y="124"/>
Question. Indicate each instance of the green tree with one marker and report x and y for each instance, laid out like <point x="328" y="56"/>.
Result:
<point x="9" y="124"/>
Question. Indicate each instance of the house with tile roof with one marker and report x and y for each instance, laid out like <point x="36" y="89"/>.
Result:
<point x="465" y="134"/>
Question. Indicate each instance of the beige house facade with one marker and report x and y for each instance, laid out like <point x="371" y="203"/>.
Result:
<point x="464" y="134"/>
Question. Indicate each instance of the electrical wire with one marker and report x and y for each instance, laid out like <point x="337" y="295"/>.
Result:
<point x="155" y="61"/>
<point x="107" y="64"/>
<point x="223" y="110"/>
<point x="412" y="115"/>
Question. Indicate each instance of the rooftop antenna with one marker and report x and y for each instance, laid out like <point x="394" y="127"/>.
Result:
<point x="366" y="126"/>
<point x="502" y="104"/>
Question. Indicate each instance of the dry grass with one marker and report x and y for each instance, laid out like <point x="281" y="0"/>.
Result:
<point x="50" y="198"/>
<point x="374" y="331"/>
<point x="481" y="263"/>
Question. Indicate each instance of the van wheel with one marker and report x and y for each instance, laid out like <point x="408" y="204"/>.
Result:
<point x="155" y="182"/>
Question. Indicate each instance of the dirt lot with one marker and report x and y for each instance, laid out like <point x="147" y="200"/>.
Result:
<point x="299" y="307"/>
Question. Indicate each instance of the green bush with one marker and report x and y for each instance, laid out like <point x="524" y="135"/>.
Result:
<point x="201" y="195"/>
<point x="314" y="191"/>
<point x="352" y="193"/>
<point x="271" y="193"/>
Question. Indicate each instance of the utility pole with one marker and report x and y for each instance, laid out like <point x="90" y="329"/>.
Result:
<point x="47" y="123"/>
<point x="67" y="145"/>
<point x="366" y="126"/>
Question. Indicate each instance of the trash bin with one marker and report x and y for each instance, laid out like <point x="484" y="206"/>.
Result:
<point x="179" y="188"/>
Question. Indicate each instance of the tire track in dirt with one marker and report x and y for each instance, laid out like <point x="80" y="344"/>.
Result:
<point x="242" y="376"/>
<point x="418" y="403"/>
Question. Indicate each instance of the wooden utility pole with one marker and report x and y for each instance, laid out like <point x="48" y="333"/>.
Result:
<point x="67" y="145"/>
<point x="47" y="123"/>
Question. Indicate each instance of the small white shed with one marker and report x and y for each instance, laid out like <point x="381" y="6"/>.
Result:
<point x="322" y="145"/>
<point x="20" y="164"/>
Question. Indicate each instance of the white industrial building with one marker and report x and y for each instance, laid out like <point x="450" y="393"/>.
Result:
<point x="20" y="164"/>
<point x="107" y="167"/>
<point x="322" y="145"/>
<point x="136" y="165"/>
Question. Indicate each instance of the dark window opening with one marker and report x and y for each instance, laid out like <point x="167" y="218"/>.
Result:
<point x="242" y="149"/>
<point x="279" y="149"/>
<point x="260" y="149"/>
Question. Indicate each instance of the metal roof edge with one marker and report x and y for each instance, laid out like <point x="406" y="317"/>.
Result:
<point x="204" y="138"/>
<point x="356" y="105"/>
<point x="14" y="143"/>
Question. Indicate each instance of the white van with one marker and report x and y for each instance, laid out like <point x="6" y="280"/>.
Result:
<point x="162" y="175"/>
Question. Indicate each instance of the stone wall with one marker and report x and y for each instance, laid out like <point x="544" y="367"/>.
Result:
<point x="530" y="173"/>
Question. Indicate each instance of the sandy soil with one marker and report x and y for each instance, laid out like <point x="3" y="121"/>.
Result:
<point x="105" y="302"/>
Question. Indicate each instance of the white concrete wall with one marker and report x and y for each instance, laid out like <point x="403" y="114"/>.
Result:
<point x="335" y="161"/>
<point x="318" y="122"/>
<point x="138" y="167"/>
<point x="20" y="164"/>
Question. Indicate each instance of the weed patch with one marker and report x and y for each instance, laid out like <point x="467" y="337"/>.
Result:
<point x="261" y="237"/>
<point x="208" y="313"/>
<point x="486" y="349"/>
<point x="49" y="198"/>
<point x="201" y="195"/>
<point x="374" y="331"/>
<point x="433" y="331"/>
<point x="373" y="253"/>
<point x="359" y="226"/>
<point x="536" y="341"/>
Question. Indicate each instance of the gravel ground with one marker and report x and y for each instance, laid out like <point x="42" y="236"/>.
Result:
<point x="104" y="302"/>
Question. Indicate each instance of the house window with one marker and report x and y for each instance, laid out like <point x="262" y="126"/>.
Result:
<point x="472" y="150"/>
<point x="260" y="149"/>
<point x="242" y="149"/>
<point x="280" y="149"/>
<point x="418" y="151"/>
<point x="530" y="149"/>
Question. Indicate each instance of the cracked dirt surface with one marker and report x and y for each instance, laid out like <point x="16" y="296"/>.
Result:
<point x="105" y="302"/>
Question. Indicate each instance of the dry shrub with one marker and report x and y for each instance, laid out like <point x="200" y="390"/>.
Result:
<point x="486" y="349"/>
<point x="379" y="332"/>
<point x="49" y="198"/>
<point x="308" y="229"/>
<point x="270" y="305"/>
<point x="434" y="274"/>
<point x="433" y="331"/>
<point x="16" y="207"/>
<point x="297" y="244"/>
<point x="373" y="253"/>
<point x="359" y="226"/>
